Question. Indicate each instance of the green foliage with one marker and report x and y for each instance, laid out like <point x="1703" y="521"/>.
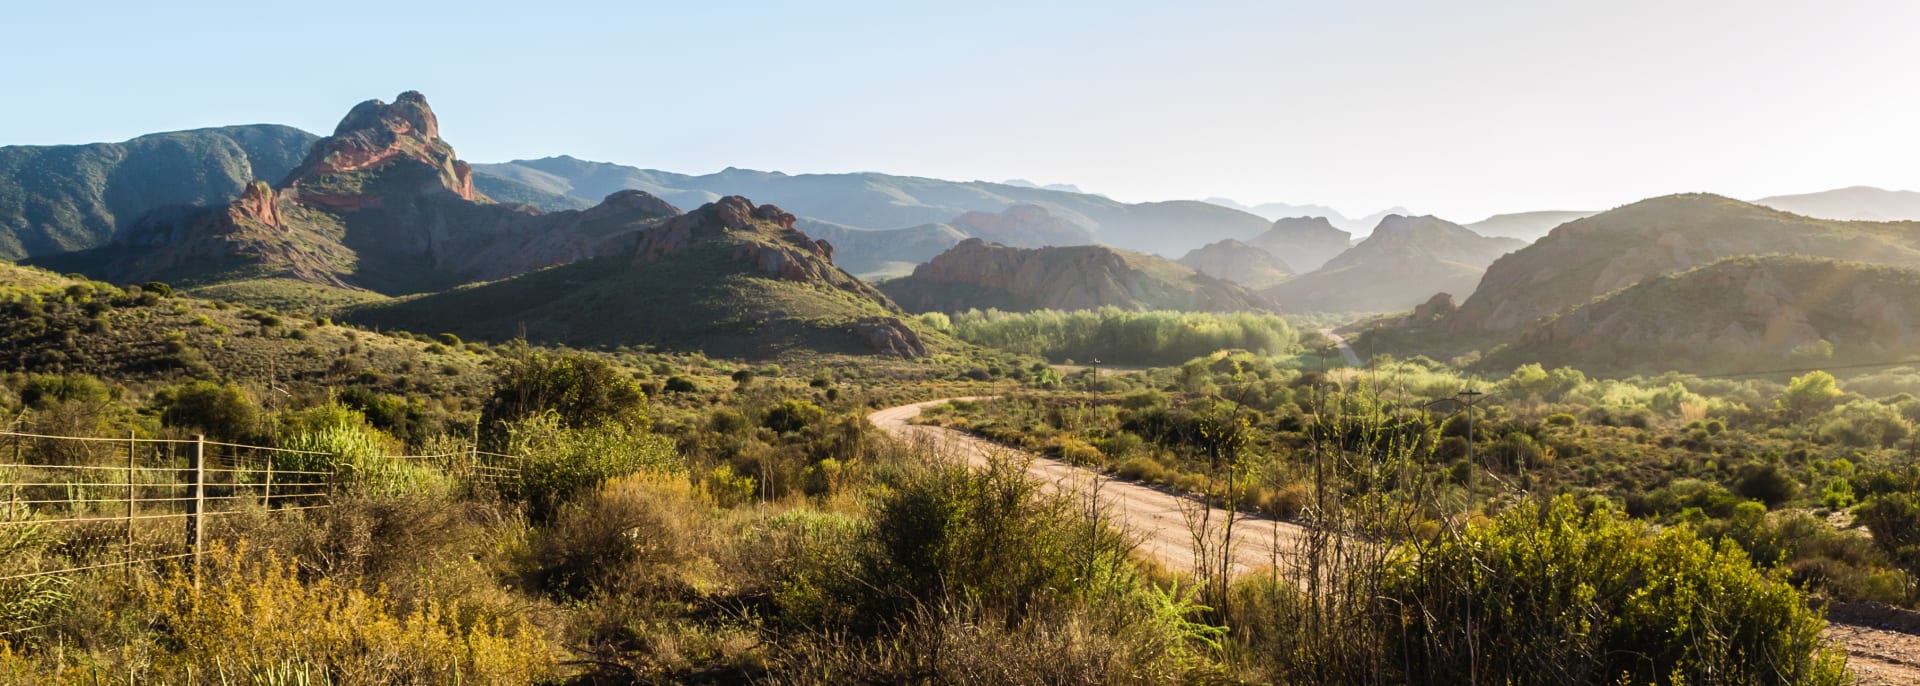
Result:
<point x="1768" y="483"/>
<point x="793" y="415"/>
<point x="222" y="411"/>
<point x="252" y="615"/>
<point x="1810" y="395"/>
<point x="952" y="534"/>
<point x="1556" y="596"/>
<point x="558" y="462"/>
<point x="1125" y="337"/>
<point x="1894" y="519"/>
<point x="580" y="390"/>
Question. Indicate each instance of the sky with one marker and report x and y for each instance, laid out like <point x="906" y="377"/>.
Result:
<point x="1461" y="109"/>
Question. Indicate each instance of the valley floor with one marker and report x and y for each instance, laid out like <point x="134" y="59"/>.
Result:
<point x="1161" y="521"/>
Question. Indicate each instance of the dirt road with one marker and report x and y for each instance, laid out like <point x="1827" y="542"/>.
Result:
<point x="1346" y="351"/>
<point x="1161" y="520"/>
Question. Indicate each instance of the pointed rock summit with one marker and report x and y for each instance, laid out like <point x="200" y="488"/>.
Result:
<point x="381" y="149"/>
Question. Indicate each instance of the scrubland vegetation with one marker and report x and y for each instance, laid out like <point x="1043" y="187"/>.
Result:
<point x="675" y="518"/>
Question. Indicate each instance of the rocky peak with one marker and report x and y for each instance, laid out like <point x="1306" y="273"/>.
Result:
<point x="256" y="203"/>
<point x="373" y="139"/>
<point x="408" y="115"/>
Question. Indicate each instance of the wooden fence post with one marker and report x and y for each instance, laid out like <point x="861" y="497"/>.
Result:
<point x="266" y="498"/>
<point x="127" y="557"/>
<point x="196" y="508"/>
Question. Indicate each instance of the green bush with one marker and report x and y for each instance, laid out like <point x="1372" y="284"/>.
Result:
<point x="793" y="415"/>
<point x="558" y="462"/>
<point x="951" y="534"/>
<point x="580" y="390"/>
<point x="222" y="411"/>
<point x="1768" y="483"/>
<point x="1558" y="596"/>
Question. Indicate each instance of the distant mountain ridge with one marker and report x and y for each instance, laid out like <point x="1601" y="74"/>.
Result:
<point x="884" y="201"/>
<point x="1526" y="226"/>
<point x="976" y="274"/>
<point x="1856" y="203"/>
<point x="62" y="198"/>
<point x="1273" y="211"/>
<point x="1403" y="263"/>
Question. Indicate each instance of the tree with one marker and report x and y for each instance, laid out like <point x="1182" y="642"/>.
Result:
<point x="1809" y="395"/>
<point x="219" y="410"/>
<point x="581" y="390"/>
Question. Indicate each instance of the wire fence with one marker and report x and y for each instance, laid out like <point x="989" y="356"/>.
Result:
<point x="71" y="504"/>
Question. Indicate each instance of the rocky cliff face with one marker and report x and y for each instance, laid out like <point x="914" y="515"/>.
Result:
<point x="978" y="274"/>
<point x="1303" y="243"/>
<point x="1591" y="257"/>
<point x="373" y="139"/>
<point x="1238" y="262"/>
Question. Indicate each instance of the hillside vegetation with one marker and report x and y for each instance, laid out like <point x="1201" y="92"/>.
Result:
<point x="62" y="198"/>
<point x="1615" y="249"/>
<point x="1740" y="313"/>
<point x="730" y="278"/>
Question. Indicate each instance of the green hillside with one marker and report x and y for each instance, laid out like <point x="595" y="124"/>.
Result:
<point x="62" y="198"/>
<point x="1738" y="314"/>
<point x="1590" y="257"/>
<point x="729" y="279"/>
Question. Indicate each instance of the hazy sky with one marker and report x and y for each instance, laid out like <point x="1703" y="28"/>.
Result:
<point x="1456" y="108"/>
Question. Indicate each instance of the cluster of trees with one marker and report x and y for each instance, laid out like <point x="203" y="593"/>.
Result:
<point x="1121" y="336"/>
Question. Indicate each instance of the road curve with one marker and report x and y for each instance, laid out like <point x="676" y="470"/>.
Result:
<point x="1162" y="522"/>
<point x="1346" y="351"/>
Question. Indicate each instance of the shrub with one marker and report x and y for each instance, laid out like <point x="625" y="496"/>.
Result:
<point x="558" y="462"/>
<point x="1894" y="519"/>
<point x="1767" y="483"/>
<point x="1558" y="596"/>
<point x="680" y="384"/>
<point x="251" y="616"/>
<point x="950" y="533"/>
<point x="219" y="410"/>
<point x="642" y="533"/>
<point x="793" y="415"/>
<point x="1562" y="419"/>
<point x="581" y="390"/>
<point x="1143" y="469"/>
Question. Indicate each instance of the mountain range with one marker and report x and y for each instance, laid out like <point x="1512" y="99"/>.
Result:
<point x="380" y="222"/>
<point x="875" y="201"/>
<point x="1404" y="262"/>
<point x="1279" y="210"/>
<point x="976" y="274"/>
